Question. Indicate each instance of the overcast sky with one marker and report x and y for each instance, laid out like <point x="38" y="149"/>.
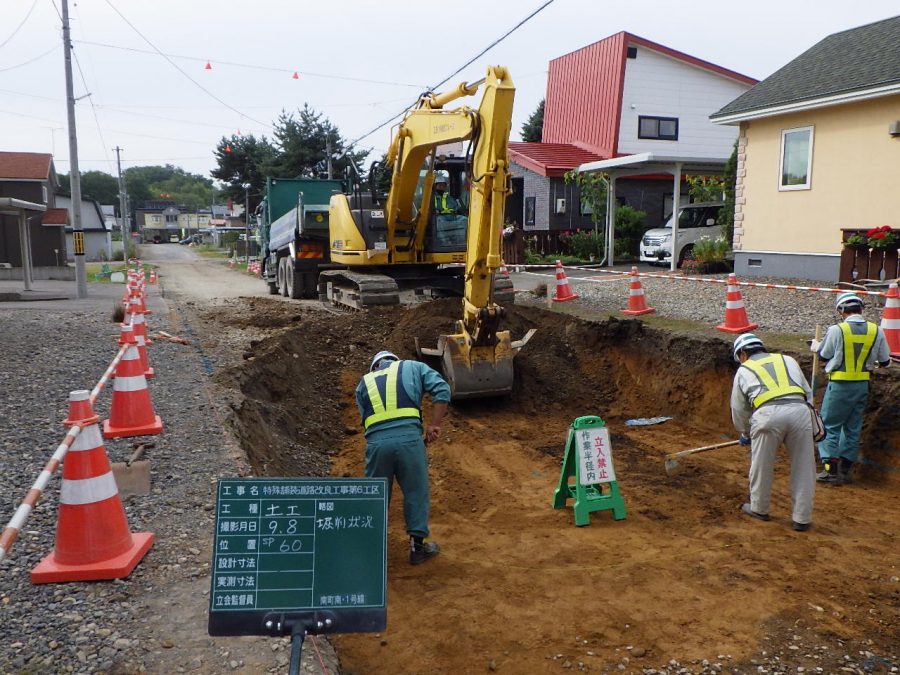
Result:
<point x="359" y="62"/>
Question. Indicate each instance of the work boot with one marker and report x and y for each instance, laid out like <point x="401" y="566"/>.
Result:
<point x="421" y="551"/>
<point x="844" y="469"/>
<point x="746" y="509"/>
<point x="800" y="527"/>
<point x="830" y="473"/>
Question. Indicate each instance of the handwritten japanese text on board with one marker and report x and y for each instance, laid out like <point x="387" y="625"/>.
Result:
<point x="299" y="544"/>
<point x="595" y="456"/>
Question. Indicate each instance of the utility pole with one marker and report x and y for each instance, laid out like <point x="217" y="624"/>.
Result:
<point x="124" y="218"/>
<point x="328" y="154"/>
<point x="74" y="174"/>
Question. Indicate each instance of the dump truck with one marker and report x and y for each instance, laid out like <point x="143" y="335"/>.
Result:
<point x="292" y="222"/>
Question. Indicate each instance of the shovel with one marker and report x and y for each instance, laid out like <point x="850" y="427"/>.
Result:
<point x="672" y="466"/>
<point x="133" y="476"/>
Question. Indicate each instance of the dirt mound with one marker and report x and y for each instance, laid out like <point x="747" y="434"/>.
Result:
<point x="685" y="576"/>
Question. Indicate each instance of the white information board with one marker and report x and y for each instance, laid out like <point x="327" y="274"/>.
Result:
<point x="595" y="456"/>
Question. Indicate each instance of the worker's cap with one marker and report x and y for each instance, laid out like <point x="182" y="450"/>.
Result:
<point x="382" y="356"/>
<point x="846" y="300"/>
<point x="441" y="177"/>
<point x="744" y="341"/>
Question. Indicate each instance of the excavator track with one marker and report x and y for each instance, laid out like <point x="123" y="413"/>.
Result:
<point x="356" y="290"/>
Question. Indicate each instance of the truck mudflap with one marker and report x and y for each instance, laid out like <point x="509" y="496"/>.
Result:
<point x="357" y="290"/>
<point x="476" y="372"/>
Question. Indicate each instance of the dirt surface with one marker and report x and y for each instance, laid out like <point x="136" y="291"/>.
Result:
<point x="518" y="588"/>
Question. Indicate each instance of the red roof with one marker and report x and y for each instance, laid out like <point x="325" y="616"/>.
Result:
<point x="550" y="159"/>
<point x="55" y="216"/>
<point x="25" y="165"/>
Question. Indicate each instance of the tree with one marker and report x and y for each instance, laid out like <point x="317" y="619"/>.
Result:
<point x="97" y="185"/>
<point x="726" y="213"/>
<point x="533" y="129"/>
<point x="592" y="188"/>
<point x="303" y="141"/>
<point x="705" y="188"/>
<point x="244" y="160"/>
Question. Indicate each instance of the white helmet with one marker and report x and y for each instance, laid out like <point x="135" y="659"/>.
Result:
<point x="381" y="356"/>
<point x="847" y="299"/>
<point x="744" y="341"/>
<point x="441" y="177"/>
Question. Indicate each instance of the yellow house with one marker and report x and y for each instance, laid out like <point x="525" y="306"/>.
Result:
<point x="818" y="150"/>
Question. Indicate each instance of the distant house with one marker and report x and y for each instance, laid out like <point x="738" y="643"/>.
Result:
<point x="31" y="177"/>
<point x="819" y="150"/>
<point x="623" y="95"/>
<point x="97" y="236"/>
<point x="163" y="220"/>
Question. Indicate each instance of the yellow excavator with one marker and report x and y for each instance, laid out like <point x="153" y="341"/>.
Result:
<point x="385" y="243"/>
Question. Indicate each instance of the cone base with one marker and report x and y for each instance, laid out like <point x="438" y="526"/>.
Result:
<point x="739" y="329"/>
<point x="568" y="297"/>
<point x="638" y="312"/>
<point x="149" y="373"/>
<point x="109" y="431"/>
<point x="48" y="571"/>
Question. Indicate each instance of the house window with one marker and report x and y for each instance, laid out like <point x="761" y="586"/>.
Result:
<point x="44" y="194"/>
<point x="156" y="219"/>
<point x="658" y="128"/>
<point x="529" y="211"/>
<point x="587" y="208"/>
<point x="796" y="159"/>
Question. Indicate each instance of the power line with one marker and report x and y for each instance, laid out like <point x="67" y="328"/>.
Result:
<point x="19" y="27"/>
<point x="178" y="68"/>
<point x="469" y="62"/>
<point x="273" y="69"/>
<point x="25" y="63"/>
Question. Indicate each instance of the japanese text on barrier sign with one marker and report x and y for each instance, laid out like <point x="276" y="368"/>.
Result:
<point x="595" y="456"/>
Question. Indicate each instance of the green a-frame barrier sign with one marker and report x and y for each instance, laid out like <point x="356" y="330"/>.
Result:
<point x="587" y="476"/>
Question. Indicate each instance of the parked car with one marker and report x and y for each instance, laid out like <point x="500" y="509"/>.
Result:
<point x="192" y="239"/>
<point x="694" y="222"/>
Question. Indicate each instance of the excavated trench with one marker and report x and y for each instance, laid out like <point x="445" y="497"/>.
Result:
<point x="675" y="577"/>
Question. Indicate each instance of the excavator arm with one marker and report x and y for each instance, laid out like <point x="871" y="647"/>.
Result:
<point x="478" y="359"/>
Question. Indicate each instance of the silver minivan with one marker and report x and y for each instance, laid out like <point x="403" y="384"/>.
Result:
<point x="694" y="222"/>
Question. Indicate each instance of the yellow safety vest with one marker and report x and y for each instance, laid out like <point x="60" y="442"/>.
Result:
<point x="440" y="204"/>
<point x="854" y="366"/>
<point x="387" y="408"/>
<point x="780" y="385"/>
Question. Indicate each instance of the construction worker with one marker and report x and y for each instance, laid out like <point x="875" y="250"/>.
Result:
<point x="389" y="398"/>
<point x="445" y="204"/>
<point x="852" y="348"/>
<point x="769" y="407"/>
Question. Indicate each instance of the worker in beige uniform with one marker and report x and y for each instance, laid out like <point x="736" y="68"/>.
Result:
<point x="769" y="407"/>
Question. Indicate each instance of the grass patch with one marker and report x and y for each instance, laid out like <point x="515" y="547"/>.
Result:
<point x="93" y="271"/>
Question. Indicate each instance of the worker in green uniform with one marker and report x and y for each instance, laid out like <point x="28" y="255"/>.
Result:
<point x="851" y="348"/>
<point x="389" y="398"/>
<point x="445" y="204"/>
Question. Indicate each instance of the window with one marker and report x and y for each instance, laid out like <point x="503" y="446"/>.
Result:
<point x="586" y="207"/>
<point x="796" y="159"/>
<point x="529" y="211"/>
<point x="658" y="128"/>
<point x="44" y="194"/>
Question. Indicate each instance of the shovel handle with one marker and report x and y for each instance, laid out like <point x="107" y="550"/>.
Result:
<point x="703" y="449"/>
<point x="138" y="452"/>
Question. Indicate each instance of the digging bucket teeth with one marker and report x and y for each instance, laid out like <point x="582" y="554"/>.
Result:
<point x="477" y="371"/>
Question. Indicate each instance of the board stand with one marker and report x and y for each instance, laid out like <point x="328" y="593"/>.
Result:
<point x="298" y="625"/>
<point x="589" y="488"/>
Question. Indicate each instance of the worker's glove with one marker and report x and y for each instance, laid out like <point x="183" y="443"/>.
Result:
<point x="814" y="345"/>
<point x="744" y="439"/>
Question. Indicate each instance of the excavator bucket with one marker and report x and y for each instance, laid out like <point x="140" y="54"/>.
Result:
<point x="477" y="372"/>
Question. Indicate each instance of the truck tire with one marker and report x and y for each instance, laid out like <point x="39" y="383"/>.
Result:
<point x="273" y="287"/>
<point x="295" y="280"/>
<point x="282" y="277"/>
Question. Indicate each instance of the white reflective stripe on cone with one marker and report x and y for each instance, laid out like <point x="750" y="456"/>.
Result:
<point x="88" y="490"/>
<point x="88" y="439"/>
<point x="130" y="383"/>
<point x="890" y="324"/>
<point x="560" y="282"/>
<point x="734" y="304"/>
<point x="131" y="354"/>
<point x="635" y="291"/>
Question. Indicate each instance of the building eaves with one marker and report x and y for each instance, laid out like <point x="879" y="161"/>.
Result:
<point x="858" y="62"/>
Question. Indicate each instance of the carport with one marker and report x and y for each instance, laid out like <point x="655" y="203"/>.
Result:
<point x="18" y="207"/>
<point x="643" y="164"/>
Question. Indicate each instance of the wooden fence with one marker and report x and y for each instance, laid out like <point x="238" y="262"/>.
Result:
<point x="861" y="262"/>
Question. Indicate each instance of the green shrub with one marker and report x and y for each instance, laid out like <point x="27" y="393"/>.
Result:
<point x="708" y="256"/>
<point x="584" y="244"/>
<point x="629" y="230"/>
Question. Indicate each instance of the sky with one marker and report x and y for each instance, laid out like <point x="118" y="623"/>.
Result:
<point x="141" y="66"/>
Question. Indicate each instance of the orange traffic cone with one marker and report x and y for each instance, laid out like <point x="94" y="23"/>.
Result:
<point x="563" y="290"/>
<point x="153" y="276"/>
<point x="136" y="318"/>
<point x="93" y="540"/>
<point x="504" y="273"/>
<point x="736" y="320"/>
<point x="127" y="328"/>
<point x="131" y="412"/>
<point x="637" y="303"/>
<point x="890" y="319"/>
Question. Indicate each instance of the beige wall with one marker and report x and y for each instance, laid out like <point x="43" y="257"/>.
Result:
<point x="855" y="179"/>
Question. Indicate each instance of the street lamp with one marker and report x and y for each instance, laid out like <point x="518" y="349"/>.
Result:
<point x="246" y="187"/>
